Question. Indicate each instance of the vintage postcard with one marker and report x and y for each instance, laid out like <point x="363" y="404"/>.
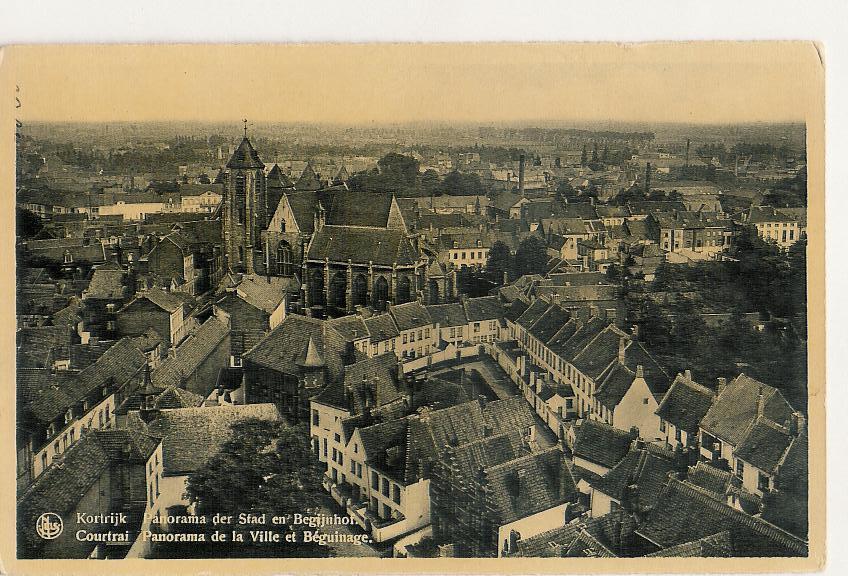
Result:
<point x="413" y="308"/>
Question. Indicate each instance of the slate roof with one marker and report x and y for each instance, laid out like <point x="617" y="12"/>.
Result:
<point x="764" y="445"/>
<point x="447" y="315"/>
<point x="735" y="409"/>
<point x="383" y="247"/>
<point x="280" y="349"/>
<point x="308" y="179"/>
<point x="381" y="327"/>
<point x="174" y="397"/>
<point x="410" y="315"/>
<point x="245" y="157"/>
<point x="647" y="468"/>
<point x="483" y="308"/>
<point x="193" y="351"/>
<point x="193" y="435"/>
<point x="787" y="505"/>
<point x="600" y="443"/>
<point x="670" y="524"/>
<point x="530" y="484"/>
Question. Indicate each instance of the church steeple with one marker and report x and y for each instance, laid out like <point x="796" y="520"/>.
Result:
<point x="245" y="209"/>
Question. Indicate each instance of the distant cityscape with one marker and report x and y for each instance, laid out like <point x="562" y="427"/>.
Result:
<point x="411" y="341"/>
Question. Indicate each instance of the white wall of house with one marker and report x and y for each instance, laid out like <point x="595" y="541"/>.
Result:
<point x="638" y="408"/>
<point x="99" y="417"/>
<point x="532" y="525"/>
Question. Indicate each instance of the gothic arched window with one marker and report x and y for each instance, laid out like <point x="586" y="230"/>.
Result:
<point x="284" y="259"/>
<point x="240" y="199"/>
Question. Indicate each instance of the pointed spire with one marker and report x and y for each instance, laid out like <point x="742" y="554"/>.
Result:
<point x="311" y="357"/>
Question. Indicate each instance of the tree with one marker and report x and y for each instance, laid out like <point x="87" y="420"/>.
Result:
<point x="430" y="182"/>
<point x="499" y="262"/>
<point x="595" y="153"/>
<point x="266" y="467"/>
<point x="583" y="156"/>
<point x="460" y="184"/>
<point x="531" y="257"/>
<point x="398" y="167"/>
<point x="28" y="223"/>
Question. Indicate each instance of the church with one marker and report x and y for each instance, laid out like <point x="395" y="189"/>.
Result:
<point x="349" y="249"/>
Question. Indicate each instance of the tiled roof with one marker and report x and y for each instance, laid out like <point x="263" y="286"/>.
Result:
<point x="447" y="315"/>
<point x="107" y="281"/>
<point x="508" y="414"/>
<point x="551" y="544"/>
<point x="533" y="313"/>
<point x="410" y="315"/>
<point x="685" y="404"/>
<point x="381" y="327"/>
<point x="600" y="443"/>
<point x="281" y="348"/>
<point x="245" y="157"/>
<point x="483" y="308"/>
<point x="193" y="435"/>
<point x="380" y="246"/>
<point x="308" y="179"/>
<point x="128" y="445"/>
<point x="711" y="479"/>
<point x="670" y="523"/>
<point x="764" y="445"/>
<point x="735" y="409"/>
<point x="647" y="469"/>
<point x="193" y="351"/>
<point x="588" y="546"/>
<point x="375" y="379"/>
<point x="265" y="292"/>
<point x="164" y="300"/>
<point x="350" y="328"/>
<point x="787" y="505"/>
<point x="174" y="397"/>
<point x="714" y="546"/>
<point x="614" y="384"/>
<point x="486" y="452"/>
<point x="530" y="484"/>
<point x="760" y="214"/>
<point x="60" y="488"/>
<point x="39" y="347"/>
<point x="385" y="447"/>
<point x="600" y="352"/>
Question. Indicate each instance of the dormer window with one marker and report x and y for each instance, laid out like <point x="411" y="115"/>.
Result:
<point x="479" y="243"/>
<point x="51" y="430"/>
<point x="69" y="415"/>
<point x="455" y="244"/>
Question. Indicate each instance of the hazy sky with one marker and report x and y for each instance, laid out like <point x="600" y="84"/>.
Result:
<point x="729" y="82"/>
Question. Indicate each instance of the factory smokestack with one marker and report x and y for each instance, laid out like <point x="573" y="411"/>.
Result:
<point x="687" y="152"/>
<point x="521" y="174"/>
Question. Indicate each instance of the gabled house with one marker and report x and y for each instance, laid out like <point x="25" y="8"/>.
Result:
<point x="681" y="410"/>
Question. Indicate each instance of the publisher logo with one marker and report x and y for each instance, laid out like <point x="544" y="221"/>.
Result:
<point x="49" y="525"/>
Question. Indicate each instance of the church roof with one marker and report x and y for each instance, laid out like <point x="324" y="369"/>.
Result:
<point x="308" y="180"/>
<point x="245" y="156"/>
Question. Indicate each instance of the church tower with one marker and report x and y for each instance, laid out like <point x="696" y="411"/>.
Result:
<point x="245" y="210"/>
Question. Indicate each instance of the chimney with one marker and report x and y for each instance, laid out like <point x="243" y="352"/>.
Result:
<point x="687" y="151"/>
<point x="687" y="374"/>
<point x="521" y="175"/>
<point x="760" y="403"/>
<point x="640" y="371"/>
<point x="622" y="346"/>
<point x="722" y="384"/>
<point x="634" y="332"/>
<point x="400" y="371"/>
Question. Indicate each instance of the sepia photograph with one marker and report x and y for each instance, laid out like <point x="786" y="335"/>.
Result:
<point x="419" y="302"/>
